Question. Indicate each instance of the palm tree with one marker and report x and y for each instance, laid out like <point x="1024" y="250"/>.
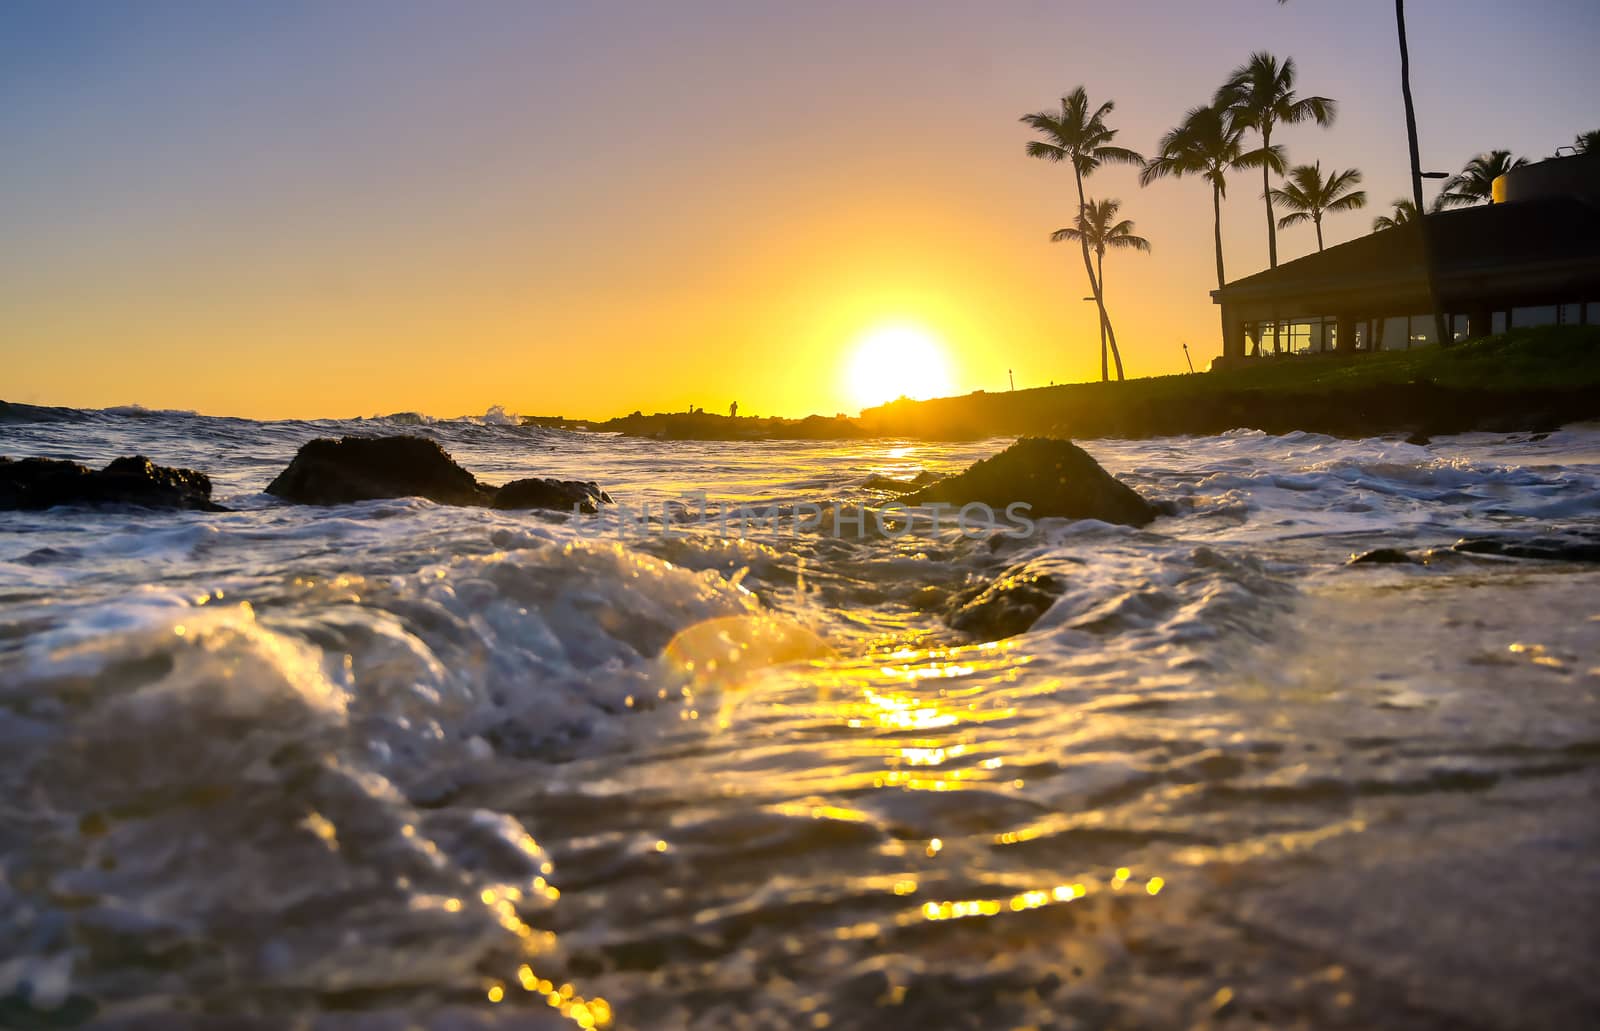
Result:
<point x="1416" y="161"/>
<point x="1080" y="135"/>
<point x="1260" y="94"/>
<point x="1404" y="211"/>
<point x="1474" y="184"/>
<point x="1208" y="143"/>
<point x="1587" y="142"/>
<point x="1097" y="227"/>
<point x="1309" y="196"/>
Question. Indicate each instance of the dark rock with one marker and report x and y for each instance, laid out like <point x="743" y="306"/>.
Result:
<point x="1568" y="547"/>
<point x="1419" y="438"/>
<point x="38" y="483"/>
<point x="1381" y="556"/>
<point x="563" y="494"/>
<point x="1005" y="608"/>
<point x="891" y="485"/>
<point x="336" y="472"/>
<point x="12" y="411"/>
<point x="1056" y="477"/>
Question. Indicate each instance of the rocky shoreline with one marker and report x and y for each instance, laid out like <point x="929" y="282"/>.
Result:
<point x="1532" y="380"/>
<point x="1051" y="477"/>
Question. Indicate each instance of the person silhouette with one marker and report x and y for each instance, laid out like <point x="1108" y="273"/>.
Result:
<point x="733" y="410"/>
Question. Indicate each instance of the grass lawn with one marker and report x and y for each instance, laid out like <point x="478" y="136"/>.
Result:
<point x="1547" y="357"/>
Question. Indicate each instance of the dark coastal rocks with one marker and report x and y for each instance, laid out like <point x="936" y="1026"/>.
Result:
<point x="338" y="472"/>
<point x="39" y="483"/>
<point x="890" y="485"/>
<point x="1005" y="608"/>
<point x="1055" y="477"/>
<point x="585" y="496"/>
<point x="1382" y="557"/>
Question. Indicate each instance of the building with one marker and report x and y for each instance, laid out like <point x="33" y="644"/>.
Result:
<point x="1531" y="258"/>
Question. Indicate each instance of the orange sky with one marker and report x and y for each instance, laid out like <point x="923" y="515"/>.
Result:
<point x="587" y="209"/>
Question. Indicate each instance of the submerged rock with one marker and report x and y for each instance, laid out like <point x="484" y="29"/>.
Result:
<point x="890" y="485"/>
<point x="1381" y="556"/>
<point x="586" y="496"/>
<point x="38" y="483"/>
<point x="336" y="472"/>
<point x="1005" y="608"/>
<point x="1575" y="546"/>
<point x="1056" y="477"/>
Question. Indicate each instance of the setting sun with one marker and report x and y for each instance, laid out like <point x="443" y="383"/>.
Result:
<point x="897" y="361"/>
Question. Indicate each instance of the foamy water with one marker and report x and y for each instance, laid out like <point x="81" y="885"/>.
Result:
<point x="397" y="763"/>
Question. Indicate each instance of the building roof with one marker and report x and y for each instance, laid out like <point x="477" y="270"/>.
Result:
<point x="1498" y="254"/>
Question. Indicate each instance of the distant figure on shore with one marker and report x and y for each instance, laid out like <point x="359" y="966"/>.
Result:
<point x="733" y="410"/>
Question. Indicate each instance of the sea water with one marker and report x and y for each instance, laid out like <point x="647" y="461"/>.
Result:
<point x="399" y="764"/>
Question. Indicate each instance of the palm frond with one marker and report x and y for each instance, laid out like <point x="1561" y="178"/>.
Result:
<point x="1349" y="202"/>
<point x="1046" y="151"/>
<point x="1404" y="211"/>
<point x="1118" y="156"/>
<point x="1321" y="110"/>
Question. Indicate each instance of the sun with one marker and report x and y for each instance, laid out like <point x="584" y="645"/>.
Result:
<point x="897" y="361"/>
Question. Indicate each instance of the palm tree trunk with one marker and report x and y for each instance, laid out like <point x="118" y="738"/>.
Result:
<point x="1100" y="262"/>
<point x="1272" y="228"/>
<point x="1094" y="281"/>
<point x="1416" y="170"/>
<point x="1266" y="191"/>
<point x="1105" y="374"/>
<point x="1411" y="108"/>
<point x="1216" y="209"/>
<point x="1318" y="224"/>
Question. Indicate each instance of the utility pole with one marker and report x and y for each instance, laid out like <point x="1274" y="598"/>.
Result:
<point x="1186" y="356"/>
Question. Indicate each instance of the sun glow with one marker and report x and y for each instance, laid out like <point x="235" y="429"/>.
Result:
<point x="897" y="361"/>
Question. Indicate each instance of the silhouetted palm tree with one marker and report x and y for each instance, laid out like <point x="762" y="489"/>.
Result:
<point x="1475" y="183"/>
<point x="1309" y="196"/>
<point x="1404" y="211"/>
<point x="1416" y="160"/>
<point x="1411" y="107"/>
<point x="1587" y="142"/>
<point x="1260" y="93"/>
<point x="1080" y="135"/>
<point x="1098" y="227"/>
<point x="1210" y="144"/>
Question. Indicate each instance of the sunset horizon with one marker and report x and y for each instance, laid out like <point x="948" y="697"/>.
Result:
<point x="352" y="204"/>
<point x="536" y="515"/>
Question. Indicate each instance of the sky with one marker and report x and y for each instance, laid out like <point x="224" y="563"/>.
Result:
<point x="327" y="210"/>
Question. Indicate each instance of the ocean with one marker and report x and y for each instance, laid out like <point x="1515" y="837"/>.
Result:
<point x="398" y="764"/>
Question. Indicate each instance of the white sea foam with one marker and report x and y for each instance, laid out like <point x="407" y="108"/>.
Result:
<point x="293" y="760"/>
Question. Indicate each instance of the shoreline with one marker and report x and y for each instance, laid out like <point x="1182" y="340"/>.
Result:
<point x="1528" y="380"/>
<point x="1532" y="380"/>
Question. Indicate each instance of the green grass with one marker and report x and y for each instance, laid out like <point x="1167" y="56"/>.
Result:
<point x="1490" y="382"/>
<point x="1547" y="357"/>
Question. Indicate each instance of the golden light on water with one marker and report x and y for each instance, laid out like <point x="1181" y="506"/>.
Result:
<point x="899" y="360"/>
